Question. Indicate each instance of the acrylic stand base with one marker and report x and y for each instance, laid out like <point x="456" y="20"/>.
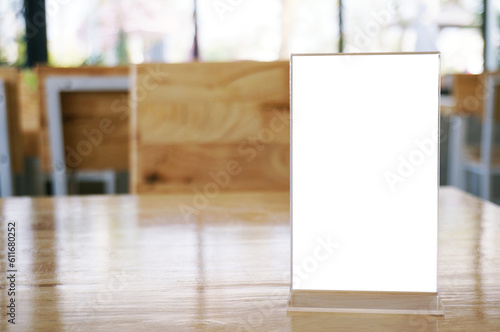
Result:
<point x="365" y="302"/>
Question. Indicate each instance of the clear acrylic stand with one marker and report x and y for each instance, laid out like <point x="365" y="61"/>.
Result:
<point x="365" y="302"/>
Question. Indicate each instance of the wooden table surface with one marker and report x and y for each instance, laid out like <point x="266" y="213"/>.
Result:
<point x="129" y="263"/>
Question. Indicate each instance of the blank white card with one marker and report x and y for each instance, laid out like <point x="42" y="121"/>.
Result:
<point x="365" y="132"/>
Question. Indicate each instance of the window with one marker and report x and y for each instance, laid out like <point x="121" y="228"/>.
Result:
<point x="239" y="30"/>
<point x="452" y="27"/>
<point x="310" y="26"/>
<point x="112" y="32"/>
<point x="495" y="40"/>
<point x="12" y="49"/>
<point x="266" y="29"/>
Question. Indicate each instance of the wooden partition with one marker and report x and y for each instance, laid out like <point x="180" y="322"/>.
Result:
<point x="210" y="127"/>
<point x="10" y="76"/>
<point x="82" y="112"/>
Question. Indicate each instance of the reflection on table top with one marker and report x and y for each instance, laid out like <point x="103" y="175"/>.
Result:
<point x="134" y="263"/>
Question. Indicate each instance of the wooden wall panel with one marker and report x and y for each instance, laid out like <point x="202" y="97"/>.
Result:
<point x="84" y="111"/>
<point x="183" y="167"/>
<point x="10" y="76"/>
<point x="191" y="121"/>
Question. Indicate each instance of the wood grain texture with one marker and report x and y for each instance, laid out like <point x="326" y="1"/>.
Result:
<point x="11" y="78"/>
<point x="83" y="116"/>
<point x="128" y="263"/>
<point x="84" y="111"/>
<point x="192" y="119"/>
<point x="178" y="168"/>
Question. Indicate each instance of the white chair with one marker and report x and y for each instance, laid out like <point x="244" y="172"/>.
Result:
<point x="55" y="85"/>
<point x="6" y="185"/>
<point x="478" y="162"/>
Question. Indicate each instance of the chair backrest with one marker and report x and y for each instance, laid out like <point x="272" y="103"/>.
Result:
<point x="469" y="94"/>
<point x="83" y="112"/>
<point x="210" y="127"/>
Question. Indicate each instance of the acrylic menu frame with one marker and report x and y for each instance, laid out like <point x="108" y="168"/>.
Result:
<point x="346" y="289"/>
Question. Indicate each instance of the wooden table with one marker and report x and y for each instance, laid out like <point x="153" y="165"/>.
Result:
<point x="132" y="263"/>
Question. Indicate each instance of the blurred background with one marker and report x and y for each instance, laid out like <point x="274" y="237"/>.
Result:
<point x="113" y="32"/>
<point x="54" y="37"/>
